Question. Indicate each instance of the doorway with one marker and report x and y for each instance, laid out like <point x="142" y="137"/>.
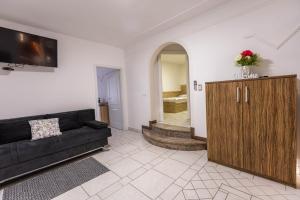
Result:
<point x="109" y="96"/>
<point x="170" y="86"/>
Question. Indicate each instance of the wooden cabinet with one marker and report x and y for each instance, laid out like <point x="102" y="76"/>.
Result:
<point x="251" y="125"/>
<point x="223" y="111"/>
<point x="104" y="112"/>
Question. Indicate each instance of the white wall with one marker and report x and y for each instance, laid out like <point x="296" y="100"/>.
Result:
<point x="71" y="86"/>
<point x="173" y="75"/>
<point x="212" y="41"/>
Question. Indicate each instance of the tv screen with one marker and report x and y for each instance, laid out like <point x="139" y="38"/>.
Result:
<point x="24" y="48"/>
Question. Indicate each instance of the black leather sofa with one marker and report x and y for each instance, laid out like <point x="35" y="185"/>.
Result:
<point x="19" y="155"/>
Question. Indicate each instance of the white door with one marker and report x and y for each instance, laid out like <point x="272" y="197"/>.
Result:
<point x="114" y="100"/>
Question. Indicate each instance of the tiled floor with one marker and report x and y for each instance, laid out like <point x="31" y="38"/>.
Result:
<point x="179" y="119"/>
<point x="140" y="171"/>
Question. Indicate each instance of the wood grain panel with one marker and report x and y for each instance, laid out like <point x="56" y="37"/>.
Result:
<point x="173" y="107"/>
<point x="257" y="135"/>
<point x="171" y="94"/>
<point x="269" y="128"/>
<point x="223" y="113"/>
<point x="104" y="113"/>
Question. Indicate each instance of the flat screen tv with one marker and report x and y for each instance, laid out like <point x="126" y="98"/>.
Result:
<point x="23" y="48"/>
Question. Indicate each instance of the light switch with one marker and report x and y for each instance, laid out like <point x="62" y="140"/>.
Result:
<point x="200" y="87"/>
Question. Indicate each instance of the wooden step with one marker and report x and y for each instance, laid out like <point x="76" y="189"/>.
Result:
<point x="172" y="131"/>
<point x="176" y="143"/>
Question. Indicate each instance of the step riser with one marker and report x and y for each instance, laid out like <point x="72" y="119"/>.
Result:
<point x="171" y="133"/>
<point x="175" y="147"/>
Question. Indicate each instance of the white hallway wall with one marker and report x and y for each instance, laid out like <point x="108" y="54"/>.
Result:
<point x="212" y="41"/>
<point x="71" y="86"/>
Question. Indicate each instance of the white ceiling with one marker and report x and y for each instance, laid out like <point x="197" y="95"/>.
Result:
<point x="114" y="22"/>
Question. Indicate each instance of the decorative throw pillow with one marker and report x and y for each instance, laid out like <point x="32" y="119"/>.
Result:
<point x="44" y="128"/>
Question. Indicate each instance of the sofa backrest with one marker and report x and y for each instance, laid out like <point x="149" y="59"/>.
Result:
<point x="13" y="130"/>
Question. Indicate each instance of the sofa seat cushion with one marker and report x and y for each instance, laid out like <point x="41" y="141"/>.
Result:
<point x="82" y="135"/>
<point x="8" y="155"/>
<point x="31" y="149"/>
<point x="28" y="150"/>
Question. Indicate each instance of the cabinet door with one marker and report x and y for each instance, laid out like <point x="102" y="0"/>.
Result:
<point x="224" y="122"/>
<point x="269" y="128"/>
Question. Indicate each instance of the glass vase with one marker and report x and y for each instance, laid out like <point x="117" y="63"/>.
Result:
<point x="245" y="72"/>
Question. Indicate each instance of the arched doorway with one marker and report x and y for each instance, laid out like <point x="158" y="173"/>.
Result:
<point x="170" y="94"/>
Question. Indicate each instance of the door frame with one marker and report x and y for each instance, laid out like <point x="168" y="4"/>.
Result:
<point x="122" y="92"/>
<point x="160" y="84"/>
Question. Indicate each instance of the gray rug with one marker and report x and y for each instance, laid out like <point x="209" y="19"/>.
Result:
<point x="54" y="182"/>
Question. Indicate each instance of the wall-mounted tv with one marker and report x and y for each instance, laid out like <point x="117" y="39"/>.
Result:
<point x="27" y="49"/>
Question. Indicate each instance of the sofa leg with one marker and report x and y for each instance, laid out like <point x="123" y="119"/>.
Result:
<point x="106" y="147"/>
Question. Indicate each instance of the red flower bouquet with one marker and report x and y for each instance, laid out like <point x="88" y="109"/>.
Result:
<point x="246" y="58"/>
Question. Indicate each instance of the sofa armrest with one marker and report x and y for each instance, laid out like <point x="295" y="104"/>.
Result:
<point x="96" y="124"/>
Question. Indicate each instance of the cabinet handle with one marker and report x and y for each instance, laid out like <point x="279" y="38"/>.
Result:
<point x="246" y="94"/>
<point x="238" y="96"/>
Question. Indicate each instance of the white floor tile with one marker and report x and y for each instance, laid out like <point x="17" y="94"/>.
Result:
<point x="171" y="192"/>
<point x="125" y="181"/>
<point x="210" y="184"/>
<point x="236" y="192"/>
<point x="291" y="197"/>
<point x="171" y="168"/>
<point x="110" y="190"/>
<point x="204" y="176"/>
<point x="77" y="193"/>
<point x="185" y="157"/>
<point x="180" y="196"/>
<point x="213" y="191"/>
<point x="255" y="191"/>
<point x="156" y="161"/>
<point x="203" y="193"/>
<point x="233" y="182"/>
<point x="144" y="156"/>
<point x="189" y="174"/>
<point x="181" y="182"/>
<point x="152" y="183"/>
<point x="215" y="176"/>
<point x="94" y="198"/>
<point x="227" y="175"/>
<point x="198" y="184"/>
<point x="125" y="167"/>
<point x="157" y="150"/>
<point x="278" y="197"/>
<point x="126" y="148"/>
<point x="220" y="195"/>
<point x="268" y="190"/>
<point x="189" y="186"/>
<point x="137" y="173"/>
<point x="190" y="194"/>
<point x="106" y="156"/>
<point x="99" y="183"/>
<point x="128" y="193"/>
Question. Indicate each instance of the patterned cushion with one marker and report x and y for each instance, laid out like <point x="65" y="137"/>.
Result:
<point x="44" y="128"/>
